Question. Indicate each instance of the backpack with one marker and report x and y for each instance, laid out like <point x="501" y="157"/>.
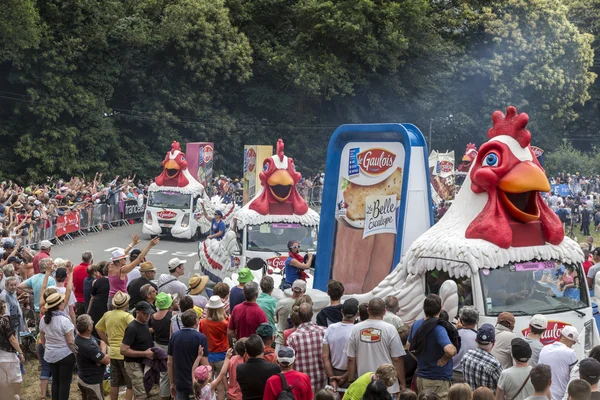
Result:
<point x="452" y="333"/>
<point x="286" y="392"/>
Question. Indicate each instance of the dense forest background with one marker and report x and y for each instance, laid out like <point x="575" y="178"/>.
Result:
<point x="107" y="85"/>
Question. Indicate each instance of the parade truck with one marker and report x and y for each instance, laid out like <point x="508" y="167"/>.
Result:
<point x="499" y="248"/>
<point x="260" y="231"/>
<point x="177" y="203"/>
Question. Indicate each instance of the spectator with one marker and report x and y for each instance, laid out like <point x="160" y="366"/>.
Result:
<point x="589" y="371"/>
<point x="579" y="390"/>
<point x="326" y="394"/>
<point x="483" y="393"/>
<point x="284" y="308"/>
<point x="79" y="275"/>
<point x="267" y="302"/>
<point x="160" y="327"/>
<point x="460" y="391"/>
<point x="183" y="350"/>
<point x="297" y="382"/>
<point x="562" y="358"/>
<point x="335" y="357"/>
<point x="111" y="329"/>
<point x="92" y="274"/>
<point x="363" y="312"/>
<point x="148" y="294"/>
<point x="504" y="336"/>
<point x="295" y="317"/>
<point x="45" y="248"/>
<point x="56" y="330"/>
<point x="61" y="274"/>
<point x="234" y="392"/>
<point x="431" y="344"/>
<point x="204" y="387"/>
<point x="265" y="331"/>
<point x="99" y="299"/>
<point x="91" y="360"/>
<point x="187" y="303"/>
<point x="391" y="308"/>
<point x="333" y="312"/>
<point x="468" y="319"/>
<point x="247" y="316"/>
<point x="236" y="295"/>
<point x="11" y="357"/>
<point x="541" y="379"/>
<point x="537" y="327"/>
<point x="221" y="289"/>
<point x="410" y="363"/>
<point x="408" y="394"/>
<point x="214" y="327"/>
<point x="137" y="344"/>
<point x="170" y="284"/>
<point x="376" y="390"/>
<point x="480" y="367"/>
<point x="385" y="372"/>
<point x="33" y="285"/>
<point x="147" y="274"/>
<point x="515" y="381"/>
<point x="134" y="273"/>
<point x="594" y="269"/>
<point x="252" y="375"/>
<point x="196" y="286"/>
<point x="13" y="309"/>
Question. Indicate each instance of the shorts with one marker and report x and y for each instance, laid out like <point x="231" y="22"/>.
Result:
<point x="118" y="376"/>
<point x="90" y="392"/>
<point x="10" y="372"/>
<point x="45" y="372"/>
<point x="439" y="387"/>
<point x="135" y="370"/>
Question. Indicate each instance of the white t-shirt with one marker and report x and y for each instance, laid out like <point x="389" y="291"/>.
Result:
<point x="467" y="342"/>
<point x="336" y="336"/>
<point x="374" y="342"/>
<point x="562" y="359"/>
<point x="56" y="347"/>
<point x="133" y="274"/>
<point x="63" y="290"/>
<point x="512" y="379"/>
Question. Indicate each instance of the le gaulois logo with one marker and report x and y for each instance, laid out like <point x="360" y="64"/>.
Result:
<point x="251" y="159"/>
<point x="551" y="334"/>
<point x="276" y="262"/>
<point x="207" y="153"/>
<point x="444" y="167"/>
<point x="375" y="161"/>
<point x="166" y="214"/>
<point x="537" y="152"/>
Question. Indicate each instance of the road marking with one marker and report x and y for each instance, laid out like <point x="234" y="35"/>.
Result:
<point x="157" y="252"/>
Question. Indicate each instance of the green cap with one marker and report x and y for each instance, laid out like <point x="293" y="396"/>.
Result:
<point x="163" y="301"/>
<point x="265" y="330"/>
<point x="245" y="275"/>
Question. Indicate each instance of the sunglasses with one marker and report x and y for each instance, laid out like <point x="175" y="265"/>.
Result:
<point x="296" y="247"/>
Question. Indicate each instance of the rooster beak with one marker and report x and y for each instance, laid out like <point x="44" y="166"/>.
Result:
<point x="280" y="184"/>
<point x="467" y="158"/>
<point x="524" y="177"/>
<point x="172" y="169"/>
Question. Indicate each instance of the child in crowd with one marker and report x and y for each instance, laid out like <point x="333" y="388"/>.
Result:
<point x="204" y="386"/>
<point x="234" y="392"/>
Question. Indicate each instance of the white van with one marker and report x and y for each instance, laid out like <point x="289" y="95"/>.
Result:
<point x="172" y="212"/>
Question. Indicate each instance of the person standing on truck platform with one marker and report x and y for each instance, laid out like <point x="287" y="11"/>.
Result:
<point x="217" y="227"/>
<point x="294" y="265"/>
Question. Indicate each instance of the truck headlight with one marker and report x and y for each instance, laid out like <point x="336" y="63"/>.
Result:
<point x="185" y="221"/>
<point x="589" y="334"/>
<point x="148" y="218"/>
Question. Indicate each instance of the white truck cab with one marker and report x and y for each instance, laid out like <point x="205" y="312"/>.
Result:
<point x="172" y="212"/>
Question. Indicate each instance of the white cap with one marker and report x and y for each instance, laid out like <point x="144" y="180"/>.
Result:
<point x="538" y="321"/>
<point x="570" y="332"/>
<point x="175" y="262"/>
<point x="118" y="254"/>
<point x="37" y="202"/>
<point x="299" y="284"/>
<point x="45" y="244"/>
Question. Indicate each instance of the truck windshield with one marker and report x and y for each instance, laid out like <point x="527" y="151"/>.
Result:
<point x="275" y="237"/>
<point x="166" y="199"/>
<point x="537" y="287"/>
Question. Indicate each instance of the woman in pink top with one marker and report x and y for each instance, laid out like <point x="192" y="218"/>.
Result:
<point x="118" y="269"/>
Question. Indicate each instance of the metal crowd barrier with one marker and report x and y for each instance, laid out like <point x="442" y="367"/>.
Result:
<point x="82" y="221"/>
<point x="314" y="195"/>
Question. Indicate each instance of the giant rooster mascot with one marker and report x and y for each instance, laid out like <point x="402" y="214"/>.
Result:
<point x="278" y="201"/>
<point x="498" y="217"/>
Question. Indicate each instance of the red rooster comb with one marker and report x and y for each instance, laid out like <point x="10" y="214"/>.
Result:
<point x="512" y="125"/>
<point x="471" y="146"/>
<point x="280" y="149"/>
<point x="175" y="146"/>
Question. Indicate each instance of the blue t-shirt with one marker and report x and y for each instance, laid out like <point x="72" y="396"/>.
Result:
<point x="434" y="350"/>
<point x="291" y="272"/>
<point x="35" y="283"/>
<point x="183" y="347"/>
<point x="216" y="227"/>
<point x="236" y="296"/>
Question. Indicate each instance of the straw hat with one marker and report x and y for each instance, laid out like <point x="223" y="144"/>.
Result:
<point x="197" y="284"/>
<point x="215" y="302"/>
<point x="120" y="299"/>
<point x="54" y="299"/>
<point x="147" y="267"/>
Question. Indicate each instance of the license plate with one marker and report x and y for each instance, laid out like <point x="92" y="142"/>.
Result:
<point x="165" y="225"/>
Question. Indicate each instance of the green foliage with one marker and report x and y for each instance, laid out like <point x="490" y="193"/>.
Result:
<point x="566" y="159"/>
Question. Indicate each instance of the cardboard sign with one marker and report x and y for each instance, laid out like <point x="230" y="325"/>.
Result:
<point x="380" y="215"/>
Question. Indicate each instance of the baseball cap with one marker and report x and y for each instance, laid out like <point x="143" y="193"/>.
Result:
<point x="8" y="244"/>
<point x="520" y="349"/>
<point x="219" y="213"/>
<point x="37" y="202"/>
<point x="486" y="334"/>
<point x="596" y="251"/>
<point x="175" y="262"/>
<point x="144" y="307"/>
<point x="570" y="332"/>
<point x="202" y="372"/>
<point x="507" y="318"/>
<point x="350" y="307"/>
<point x="538" y="321"/>
<point x="14" y="259"/>
<point x="134" y="253"/>
<point x="245" y="275"/>
<point x="265" y="330"/>
<point x="45" y="244"/>
<point x="299" y="286"/>
<point x="589" y="368"/>
<point x="61" y="273"/>
<point x="286" y="355"/>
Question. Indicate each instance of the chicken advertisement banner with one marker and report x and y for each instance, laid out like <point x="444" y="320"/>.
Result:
<point x="254" y="156"/>
<point x="441" y="166"/>
<point x="200" y="160"/>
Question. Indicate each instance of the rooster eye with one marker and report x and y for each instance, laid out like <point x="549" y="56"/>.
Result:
<point x="266" y="167"/>
<point x="491" y="160"/>
<point x="182" y="158"/>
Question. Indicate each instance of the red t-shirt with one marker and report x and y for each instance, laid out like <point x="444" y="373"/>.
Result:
<point x="299" y="382"/>
<point x="216" y="334"/>
<point x="37" y="258"/>
<point x="586" y="266"/>
<point x="79" y="275"/>
<point x="245" y="319"/>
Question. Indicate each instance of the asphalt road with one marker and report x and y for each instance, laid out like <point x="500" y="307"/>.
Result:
<point x="103" y="243"/>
